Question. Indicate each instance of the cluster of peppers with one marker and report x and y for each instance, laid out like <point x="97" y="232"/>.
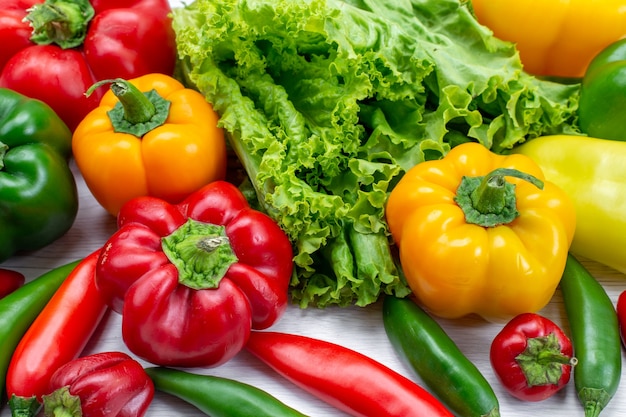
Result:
<point x="520" y="223"/>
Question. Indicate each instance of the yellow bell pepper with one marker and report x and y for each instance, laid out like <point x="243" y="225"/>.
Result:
<point x="482" y="233"/>
<point x="149" y="136"/>
<point x="554" y="37"/>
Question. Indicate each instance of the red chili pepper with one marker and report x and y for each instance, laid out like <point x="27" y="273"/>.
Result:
<point x="107" y="384"/>
<point x="10" y="281"/>
<point x="532" y="357"/>
<point x="114" y="39"/>
<point x="192" y="279"/>
<point x="58" y="334"/>
<point x="344" y="378"/>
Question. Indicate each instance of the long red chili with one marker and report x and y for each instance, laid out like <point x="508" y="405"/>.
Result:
<point x="58" y="335"/>
<point x="344" y="378"/>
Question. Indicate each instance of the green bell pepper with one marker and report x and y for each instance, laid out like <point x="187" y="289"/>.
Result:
<point x="38" y="194"/>
<point x="602" y="106"/>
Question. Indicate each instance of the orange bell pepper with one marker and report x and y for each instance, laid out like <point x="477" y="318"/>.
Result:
<point x="150" y="136"/>
<point x="480" y="233"/>
<point x="554" y="37"/>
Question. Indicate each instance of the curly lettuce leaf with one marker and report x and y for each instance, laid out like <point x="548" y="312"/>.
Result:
<point x="328" y="102"/>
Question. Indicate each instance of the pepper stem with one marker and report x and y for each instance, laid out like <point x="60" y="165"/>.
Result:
<point x="24" y="406"/>
<point x="201" y="252"/>
<point x="136" y="112"/>
<point x="490" y="200"/>
<point x="542" y="361"/>
<point x="61" y="403"/>
<point x="3" y="150"/>
<point x="60" y="21"/>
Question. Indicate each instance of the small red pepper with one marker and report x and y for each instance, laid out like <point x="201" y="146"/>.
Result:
<point x="532" y="357"/>
<point x="344" y="378"/>
<point x="54" y="50"/>
<point x="58" y="335"/>
<point x="192" y="279"/>
<point x="106" y="384"/>
<point x="10" y="281"/>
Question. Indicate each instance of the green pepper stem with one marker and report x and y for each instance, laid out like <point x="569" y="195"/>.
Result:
<point x="490" y="200"/>
<point x="137" y="107"/>
<point x="136" y="113"/>
<point x="201" y="252"/>
<point x="24" y="406"/>
<point x="3" y="150"/>
<point x="490" y="195"/>
<point x="60" y="22"/>
<point x="61" y="403"/>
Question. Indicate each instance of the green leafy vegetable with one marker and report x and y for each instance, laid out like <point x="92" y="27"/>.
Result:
<point x="328" y="102"/>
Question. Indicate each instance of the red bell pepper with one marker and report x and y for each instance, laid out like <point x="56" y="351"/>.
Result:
<point x="192" y="279"/>
<point x="344" y="378"/>
<point x="58" y="335"/>
<point x="532" y="357"/>
<point x="10" y="281"/>
<point x="107" y="384"/>
<point x="55" y="51"/>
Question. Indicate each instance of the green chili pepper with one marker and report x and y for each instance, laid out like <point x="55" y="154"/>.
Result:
<point x="426" y="347"/>
<point x="20" y="308"/>
<point x="595" y="336"/>
<point x="219" y="397"/>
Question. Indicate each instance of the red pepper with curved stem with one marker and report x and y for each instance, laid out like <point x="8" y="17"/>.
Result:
<point x="532" y="357"/>
<point x="58" y="335"/>
<point x="10" y="281"/>
<point x="344" y="378"/>
<point x="192" y="279"/>
<point x="55" y="50"/>
<point x="106" y="384"/>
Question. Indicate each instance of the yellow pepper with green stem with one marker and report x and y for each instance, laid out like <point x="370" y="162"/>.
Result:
<point x="149" y="136"/>
<point x="554" y="37"/>
<point x="482" y="233"/>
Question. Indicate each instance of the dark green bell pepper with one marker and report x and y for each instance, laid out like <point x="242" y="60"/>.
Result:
<point x="38" y="195"/>
<point x="602" y="106"/>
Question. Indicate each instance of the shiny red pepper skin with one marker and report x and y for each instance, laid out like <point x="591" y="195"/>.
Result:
<point x="106" y="384"/>
<point x="10" y="281"/>
<point x="59" y="333"/>
<point x="344" y="378"/>
<point x="195" y="315"/>
<point x="514" y="339"/>
<point x="125" y="39"/>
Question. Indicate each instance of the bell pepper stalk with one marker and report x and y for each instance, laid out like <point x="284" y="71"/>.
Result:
<point x="54" y="50"/>
<point x="532" y="357"/>
<point x="603" y="92"/>
<point x="10" y="281"/>
<point x="191" y="280"/>
<point x="149" y="136"/>
<point x="38" y="194"/>
<point x="105" y="384"/>
<point x="554" y="38"/>
<point x="475" y="239"/>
